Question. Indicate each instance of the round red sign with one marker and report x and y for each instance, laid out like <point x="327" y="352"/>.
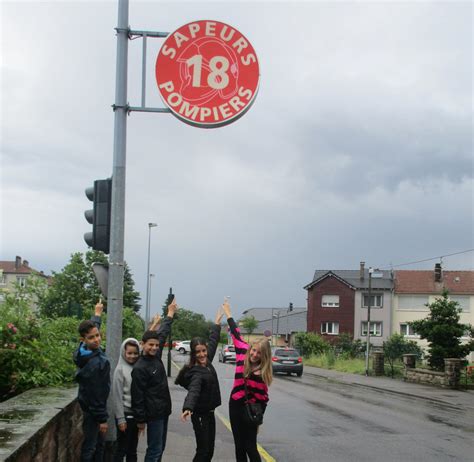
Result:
<point x="207" y="73"/>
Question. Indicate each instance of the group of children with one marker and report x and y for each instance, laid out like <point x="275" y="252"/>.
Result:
<point x="142" y="398"/>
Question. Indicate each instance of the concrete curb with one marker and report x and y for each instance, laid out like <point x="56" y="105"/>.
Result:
<point x="445" y="395"/>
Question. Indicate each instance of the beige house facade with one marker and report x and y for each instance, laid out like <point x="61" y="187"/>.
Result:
<point x="16" y="273"/>
<point x="414" y="289"/>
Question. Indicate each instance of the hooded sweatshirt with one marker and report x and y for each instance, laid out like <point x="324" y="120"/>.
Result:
<point x="93" y="377"/>
<point x="122" y="384"/>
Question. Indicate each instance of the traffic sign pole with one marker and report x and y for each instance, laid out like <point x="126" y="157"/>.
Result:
<point x="116" y="258"/>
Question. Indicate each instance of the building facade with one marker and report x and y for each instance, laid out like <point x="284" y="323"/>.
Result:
<point x="415" y="289"/>
<point x="16" y="273"/>
<point x="338" y="303"/>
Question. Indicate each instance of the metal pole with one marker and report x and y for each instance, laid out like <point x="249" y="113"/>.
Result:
<point x="148" y="278"/>
<point x="170" y="341"/>
<point x="367" y="348"/>
<point x="278" y="324"/>
<point x="144" y="69"/>
<point x="273" y="333"/>
<point x="149" y="297"/>
<point x="116" y="264"/>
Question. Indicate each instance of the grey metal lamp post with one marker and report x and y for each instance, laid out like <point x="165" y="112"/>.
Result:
<point x="147" y="302"/>
<point x="367" y="348"/>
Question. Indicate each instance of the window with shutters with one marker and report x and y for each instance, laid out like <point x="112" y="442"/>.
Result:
<point x="330" y="301"/>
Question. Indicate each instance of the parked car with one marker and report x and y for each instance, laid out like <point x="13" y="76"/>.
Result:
<point x="183" y="347"/>
<point x="287" y="360"/>
<point x="226" y="353"/>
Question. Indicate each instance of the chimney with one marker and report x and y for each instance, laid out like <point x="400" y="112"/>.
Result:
<point x="362" y="269"/>
<point x="26" y="263"/>
<point x="437" y="272"/>
<point x="17" y="262"/>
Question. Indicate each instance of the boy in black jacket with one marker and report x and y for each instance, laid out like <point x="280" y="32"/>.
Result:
<point x="151" y="400"/>
<point x="93" y="376"/>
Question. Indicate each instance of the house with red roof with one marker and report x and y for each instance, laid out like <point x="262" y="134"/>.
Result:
<point x="415" y="289"/>
<point x="16" y="272"/>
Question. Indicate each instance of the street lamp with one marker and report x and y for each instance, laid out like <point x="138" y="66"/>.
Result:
<point x="147" y="302"/>
<point x="149" y="297"/>
<point x="278" y="324"/>
<point x="368" y="324"/>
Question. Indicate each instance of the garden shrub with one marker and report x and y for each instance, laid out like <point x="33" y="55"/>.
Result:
<point x="309" y="343"/>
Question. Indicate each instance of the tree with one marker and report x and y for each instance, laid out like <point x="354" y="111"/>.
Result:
<point x="74" y="290"/>
<point x="133" y="325"/>
<point x="397" y="346"/>
<point x="443" y="331"/>
<point x="188" y="324"/>
<point x="249" y="324"/>
<point x="131" y="297"/>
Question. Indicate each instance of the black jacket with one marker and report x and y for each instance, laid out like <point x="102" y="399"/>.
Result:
<point x="202" y="383"/>
<point x="93" y="377"/>
<point x="150" y="394"/>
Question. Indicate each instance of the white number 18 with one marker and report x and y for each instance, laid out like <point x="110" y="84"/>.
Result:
<point x="217" y="78"/>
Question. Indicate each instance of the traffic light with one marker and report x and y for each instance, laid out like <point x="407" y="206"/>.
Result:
<point x="100" y="194"/>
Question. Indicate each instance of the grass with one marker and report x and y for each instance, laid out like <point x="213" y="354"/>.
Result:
<point x="330" y="361"/>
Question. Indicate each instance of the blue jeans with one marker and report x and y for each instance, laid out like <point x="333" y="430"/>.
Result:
<point x="93" y="444"/>
<point x="156" y="439"/>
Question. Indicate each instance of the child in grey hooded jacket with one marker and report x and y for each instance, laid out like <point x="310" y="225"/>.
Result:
<point x="127" y="434"/>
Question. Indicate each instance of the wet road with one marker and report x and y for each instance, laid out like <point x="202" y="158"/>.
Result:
<point x="314" y="419"/>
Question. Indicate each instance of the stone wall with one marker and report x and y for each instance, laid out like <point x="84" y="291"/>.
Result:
<point x="449" y="378"/>
<point x="41" y="425"/>
<point x="425" y="376"/>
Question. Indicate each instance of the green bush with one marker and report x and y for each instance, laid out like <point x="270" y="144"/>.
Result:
<point x="34" y="352"/>
<point x="309" y="343"/>
<point x="346" y="347"/>
<point x="395" y="347"/>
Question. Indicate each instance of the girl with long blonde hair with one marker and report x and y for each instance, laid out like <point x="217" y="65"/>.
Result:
<point x="253" y="376"/>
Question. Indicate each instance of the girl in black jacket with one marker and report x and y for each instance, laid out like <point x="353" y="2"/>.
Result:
<point x="200" y="379"/>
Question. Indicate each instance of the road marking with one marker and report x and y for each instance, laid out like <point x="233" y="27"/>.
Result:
<point x="266" y="457"/>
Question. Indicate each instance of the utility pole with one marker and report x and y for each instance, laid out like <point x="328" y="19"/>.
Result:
<point x="289" y="310"/>
<point x="367" y="348"/>
<point x="116" y="259"/>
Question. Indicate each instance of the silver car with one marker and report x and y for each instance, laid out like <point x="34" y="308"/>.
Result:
<point x="226" y="353"/>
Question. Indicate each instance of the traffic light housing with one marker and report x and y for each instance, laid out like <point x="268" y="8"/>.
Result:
<point x="99" y="217"/>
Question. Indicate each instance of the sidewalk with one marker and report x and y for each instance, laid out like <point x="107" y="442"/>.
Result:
<point x="464" y="398"/>
<point x="180" y="444"/>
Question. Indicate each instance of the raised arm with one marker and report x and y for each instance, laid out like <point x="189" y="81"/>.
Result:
<point x="234" y="330"/>
<point x="155" y="323"/>
<point x="99" y="307"/>
<point x="165" y="327"/>
<point x="215" y="335"/>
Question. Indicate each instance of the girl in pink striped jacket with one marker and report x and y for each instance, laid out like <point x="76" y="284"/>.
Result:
<point x="253" y="368"/>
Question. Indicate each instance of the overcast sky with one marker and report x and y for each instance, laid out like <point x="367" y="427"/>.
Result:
<point x="358" y="146"/>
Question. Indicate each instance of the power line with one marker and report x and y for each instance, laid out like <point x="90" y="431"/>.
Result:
<point x="430" y="259"/>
